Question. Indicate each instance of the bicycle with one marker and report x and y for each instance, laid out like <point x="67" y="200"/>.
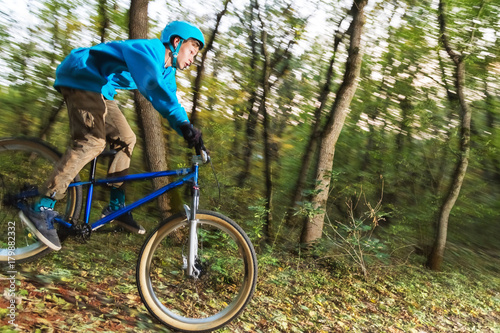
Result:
<point x="196" y="271"/>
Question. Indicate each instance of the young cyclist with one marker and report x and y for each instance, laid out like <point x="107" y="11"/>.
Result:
<point x="88" y="79"/>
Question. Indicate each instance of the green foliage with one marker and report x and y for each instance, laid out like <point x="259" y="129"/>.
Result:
<point x="256" y="233"/>
<point x="355" y="237"/>
<point x="308" y="209"/>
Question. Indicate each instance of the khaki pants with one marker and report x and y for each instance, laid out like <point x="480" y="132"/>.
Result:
<point x="93" y="121"/>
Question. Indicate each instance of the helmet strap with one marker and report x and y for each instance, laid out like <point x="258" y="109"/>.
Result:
<point x="175" y="52"/>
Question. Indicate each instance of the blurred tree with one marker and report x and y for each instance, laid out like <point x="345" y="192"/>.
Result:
<point x="201" y="67"/>
<point x="102" y="20"/>
<point x="149" y="119"/>
<point x="316" y="126"/>
<point x="313" y="227"/>
<point x="31" y="57"/>
<point x="59" y="20"/>
<point x="251" y="86"/>
<point x="458" y="101"/>
<point x="279" y="27"/>
<point x="33" y="61"/>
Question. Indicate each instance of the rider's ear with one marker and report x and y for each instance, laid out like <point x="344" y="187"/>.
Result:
<point x="175" y="41"/>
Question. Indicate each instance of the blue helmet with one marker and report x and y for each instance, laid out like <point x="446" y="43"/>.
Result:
<point x="184" y="30"/>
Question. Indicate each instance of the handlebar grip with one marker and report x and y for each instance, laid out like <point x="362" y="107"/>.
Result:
<point x="202" y="151"/>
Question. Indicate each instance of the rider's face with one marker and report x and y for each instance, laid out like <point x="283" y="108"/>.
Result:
<point x="186" y="54"/>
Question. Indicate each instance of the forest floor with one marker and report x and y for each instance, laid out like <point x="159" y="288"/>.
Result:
<point x="91" y="288"/>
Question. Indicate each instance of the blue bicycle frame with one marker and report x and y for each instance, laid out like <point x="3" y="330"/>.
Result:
<point x="190" y="176"/>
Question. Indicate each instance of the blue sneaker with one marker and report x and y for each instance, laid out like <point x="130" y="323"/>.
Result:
<point x="42" y="225"/>
<point x="126" y="221"/>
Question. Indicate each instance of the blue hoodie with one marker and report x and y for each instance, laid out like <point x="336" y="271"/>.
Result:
<point x="131" y="64"/>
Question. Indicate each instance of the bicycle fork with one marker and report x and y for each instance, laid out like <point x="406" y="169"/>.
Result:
<point x="192" y="258"/>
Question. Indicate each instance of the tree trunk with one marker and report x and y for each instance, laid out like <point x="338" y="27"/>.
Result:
<point x="435" y="258"/>
<point x="266" y="135"/>
<point x="313" y="227"/>
<point x="444" y="167"/>
<point x="315" y="133"/>
<point x="250" y="130"/>
<point x="437" y="254"/>
<point x="149" y="119"/>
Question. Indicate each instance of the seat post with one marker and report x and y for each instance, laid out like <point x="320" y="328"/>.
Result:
<point x="93" y="167"/>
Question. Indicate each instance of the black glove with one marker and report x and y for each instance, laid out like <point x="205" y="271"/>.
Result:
<point x="191" y="134"/>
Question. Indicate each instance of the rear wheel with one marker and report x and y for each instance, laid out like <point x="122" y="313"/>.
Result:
<point x="228" y="273"/>
<point x="25" y="165"/>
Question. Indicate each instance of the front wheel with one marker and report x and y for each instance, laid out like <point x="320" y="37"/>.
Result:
<point x="227" y="279"/>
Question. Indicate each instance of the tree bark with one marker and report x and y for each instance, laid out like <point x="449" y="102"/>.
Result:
<point x="149" y="119"/>
<point x="313" y="226"/>
<point x="435" y="258"/>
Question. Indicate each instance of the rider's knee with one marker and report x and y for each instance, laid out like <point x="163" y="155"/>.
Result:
<point x="131" y="140"/>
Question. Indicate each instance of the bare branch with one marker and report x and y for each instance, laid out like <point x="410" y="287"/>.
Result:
<point x="474" y="29"/>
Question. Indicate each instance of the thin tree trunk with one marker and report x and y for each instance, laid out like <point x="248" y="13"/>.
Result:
<point x="251" y="124"/>
<point x="435" y="258"/>
<point x="266" y="134"/>
<point x="444" y="168"/>
<point x="280" y="56"/>
<point x="492" y="173"/>
<point x="313" y="227"/>
<point x="201" y="68"/>
<point x="149" y="119"/>
<point x="103" y="19"/>
<point x="437" y="254"/>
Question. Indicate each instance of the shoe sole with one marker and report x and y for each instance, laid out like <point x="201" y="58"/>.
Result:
<point x="141" y="231"/>
<point x="38" y="234"/>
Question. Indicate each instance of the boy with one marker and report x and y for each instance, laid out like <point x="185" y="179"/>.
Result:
<point x="87" y="78"/>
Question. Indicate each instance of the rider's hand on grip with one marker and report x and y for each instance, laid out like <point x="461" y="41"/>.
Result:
<point x="202" y="151"/>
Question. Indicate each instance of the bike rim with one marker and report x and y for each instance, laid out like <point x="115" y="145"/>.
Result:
<point x="226" y="283"/>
